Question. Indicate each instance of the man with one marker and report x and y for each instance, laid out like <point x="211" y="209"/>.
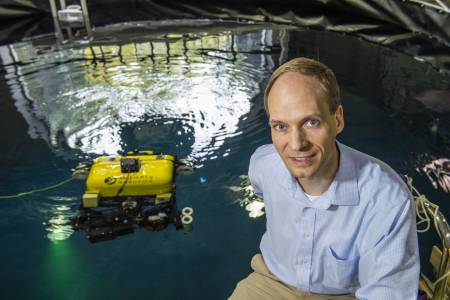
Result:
<point x="340" y="223"/>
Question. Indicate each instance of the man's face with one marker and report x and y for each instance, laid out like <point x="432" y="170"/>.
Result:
<point x="303" y="129"/>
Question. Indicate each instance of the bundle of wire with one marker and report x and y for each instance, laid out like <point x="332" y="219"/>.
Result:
<point x="425" y="212"/>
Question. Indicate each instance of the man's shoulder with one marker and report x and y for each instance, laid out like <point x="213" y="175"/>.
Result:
<point x="376" y="179"/>
<point x="264" y="151"/>
<point x="265" y="157"/>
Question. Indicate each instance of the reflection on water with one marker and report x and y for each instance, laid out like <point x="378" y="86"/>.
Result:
<point x="82" y="98"/>
<point x="58" y="226"/>
<point x="247" y="198"/>
<point x="438" y="172"/>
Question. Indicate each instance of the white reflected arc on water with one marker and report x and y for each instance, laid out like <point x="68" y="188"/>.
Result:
<point x="83" y="101"/>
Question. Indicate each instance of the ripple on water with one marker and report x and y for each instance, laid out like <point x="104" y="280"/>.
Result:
<point x="87" y="101"/>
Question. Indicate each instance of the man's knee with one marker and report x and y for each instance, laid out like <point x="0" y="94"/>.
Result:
<point x="241" y="292"/>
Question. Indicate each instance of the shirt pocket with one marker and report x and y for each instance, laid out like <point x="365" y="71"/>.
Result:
<point x="340" y="273"/>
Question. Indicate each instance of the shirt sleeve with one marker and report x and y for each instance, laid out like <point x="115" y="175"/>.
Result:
<point x="390" y="267"/>
<point x="254" y="176"/>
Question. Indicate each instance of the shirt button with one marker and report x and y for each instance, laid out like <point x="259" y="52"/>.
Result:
<point x="306" y="235"/>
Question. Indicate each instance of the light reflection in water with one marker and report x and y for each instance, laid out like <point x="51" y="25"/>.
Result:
<point x="438" y="172"/>
<point x="58" y="226"/>
<point x="84" y="96"/>
<point x="247" y="198"/>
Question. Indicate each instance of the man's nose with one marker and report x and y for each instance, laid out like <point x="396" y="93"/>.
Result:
<point x="298" y="140"/>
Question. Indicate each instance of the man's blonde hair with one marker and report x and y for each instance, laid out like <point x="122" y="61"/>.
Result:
<point x="309" y="67"/>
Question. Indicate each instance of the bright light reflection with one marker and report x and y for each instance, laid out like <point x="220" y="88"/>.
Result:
<point x="253" y="204"/>
<point x="58" y="226"/>
<point x="84" y="104"/>
<point x="438" y="172"/>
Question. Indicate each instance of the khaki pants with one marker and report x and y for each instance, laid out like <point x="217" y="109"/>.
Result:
<point x="263" y="285"/>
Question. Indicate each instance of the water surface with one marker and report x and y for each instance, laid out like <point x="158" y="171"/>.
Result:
<point x="195" y="94"/>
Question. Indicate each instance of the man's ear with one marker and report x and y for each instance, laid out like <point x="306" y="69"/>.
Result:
<point x="339" y="117"/>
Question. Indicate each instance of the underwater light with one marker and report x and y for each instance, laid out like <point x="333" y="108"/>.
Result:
<point x="58" y="227"/>
<point x="128" y="191"/>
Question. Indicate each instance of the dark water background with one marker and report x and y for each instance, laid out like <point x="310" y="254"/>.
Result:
<point x="196" y="94"/>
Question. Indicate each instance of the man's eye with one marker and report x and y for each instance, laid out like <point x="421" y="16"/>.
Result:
<point x="312" y="123"/>
<point x="279" y="127"/>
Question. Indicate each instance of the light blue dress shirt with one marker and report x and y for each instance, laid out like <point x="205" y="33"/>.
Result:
<point x="358" y="237"/>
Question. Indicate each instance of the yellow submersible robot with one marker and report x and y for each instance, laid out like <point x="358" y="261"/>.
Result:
<point x="128" y="191"/>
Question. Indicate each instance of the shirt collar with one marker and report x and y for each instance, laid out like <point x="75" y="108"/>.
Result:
<point x="344" y="188"/>
<point x="342" y="191"/>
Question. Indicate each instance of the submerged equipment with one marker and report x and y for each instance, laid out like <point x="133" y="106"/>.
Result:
<point x="128" y="191"/>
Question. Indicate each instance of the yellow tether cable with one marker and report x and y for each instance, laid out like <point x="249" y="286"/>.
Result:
<point x="36" y="191"/>
<point x="423" y="215"/>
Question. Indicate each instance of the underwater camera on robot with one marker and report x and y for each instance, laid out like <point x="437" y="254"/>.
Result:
<point x="129" y="191"/>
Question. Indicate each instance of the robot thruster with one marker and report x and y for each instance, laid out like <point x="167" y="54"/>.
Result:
<point x="127" y="191"/>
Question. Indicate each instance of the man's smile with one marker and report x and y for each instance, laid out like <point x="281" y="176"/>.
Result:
<point x="302" y="160"/>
